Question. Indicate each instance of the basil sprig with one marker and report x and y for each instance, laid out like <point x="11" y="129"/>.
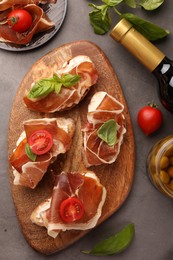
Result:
<point x="115" y="244"/>
<point x="108" y="132"/>
<point x="45" y="86"/>
<point x="32" y="156"/>
<point x="101" y="21"/>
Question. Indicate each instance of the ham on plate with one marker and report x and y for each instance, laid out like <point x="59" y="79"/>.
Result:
<point x="40" y="23"/>
<point x="6" y="4"/>
<point x="68" y="96"/>
<point x="84" y="186"/>
<point x="29" y="173"/>
<point x="102" y="107"/>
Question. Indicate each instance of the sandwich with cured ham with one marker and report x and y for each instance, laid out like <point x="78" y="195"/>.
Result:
<point x="65" y="89"/>
<point x="76" y="203"/>
<point x="104" y="131"/>
<point x="38" y="146"/>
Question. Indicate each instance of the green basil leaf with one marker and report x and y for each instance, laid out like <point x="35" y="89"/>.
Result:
<point x="131" y="3"/>
<point x="102" y="8"/>
<point x="56" y="78"/>
<point x="69" y="80"/>
<point x="112" y="2"/>
<point x="58" y="83"/>
<point x="108" y="132"/>
<point x="42" y="88"/>
<point x="115" y="244"/>
<point x="32" y="156"/>
<point x="58" y="87"/>
<point x="151" y="4"/>
<point x="100" y="19"/>
<point x="151" y="31"/>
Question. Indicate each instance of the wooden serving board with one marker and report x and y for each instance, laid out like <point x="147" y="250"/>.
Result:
<point x="117" y="177"/>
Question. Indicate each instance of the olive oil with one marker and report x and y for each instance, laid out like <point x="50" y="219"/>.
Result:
<point x="150" y="56"/>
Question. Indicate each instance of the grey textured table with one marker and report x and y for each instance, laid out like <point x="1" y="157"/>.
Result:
<point x="150" y="211"/>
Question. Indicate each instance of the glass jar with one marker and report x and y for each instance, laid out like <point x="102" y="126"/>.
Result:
<point x="160" y="165"/>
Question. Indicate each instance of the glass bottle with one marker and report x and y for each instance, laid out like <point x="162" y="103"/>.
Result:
<point x="150" y="56"/>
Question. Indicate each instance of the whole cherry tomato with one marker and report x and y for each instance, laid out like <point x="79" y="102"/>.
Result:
<point x="149" y="119"/>
<point x="40" y="142"/>
<point x="19" y="20"/>
<point x="71" y="209"/>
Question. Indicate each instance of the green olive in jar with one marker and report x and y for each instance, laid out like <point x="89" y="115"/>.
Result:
<point x="164" y="176"/>
<point x="160" y="166"/>
<point x="170" y="171"/>
<point x="171" y="160"/>
<point x="164" y="162"/>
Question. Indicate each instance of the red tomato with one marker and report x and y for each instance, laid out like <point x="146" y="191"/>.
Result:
<point x="19" y="20"/>
<point x="40" y="142"/>
<point x="71" y="209"/>
<point x="149" y="119"/>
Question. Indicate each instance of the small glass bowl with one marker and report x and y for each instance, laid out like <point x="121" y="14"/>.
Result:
<point x="160" y="165"/>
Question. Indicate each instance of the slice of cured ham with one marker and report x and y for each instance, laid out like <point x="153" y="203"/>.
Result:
<point x="102" y="108"/>
<point x="29" y="173"/>
<point x="84" y="186"/>
<point x="68" y="97"/>
<point x="40" y="23"/>
<point x="6" y="4"/>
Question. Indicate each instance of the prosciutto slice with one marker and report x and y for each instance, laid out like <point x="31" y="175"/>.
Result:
<point x="102" y="108"/>
<point x="40" y="23"/>
<point x="84" y="186"/>
<point x="6" y="4"/>
<point x="71" y="96"/>
<point x="29" y="173"/>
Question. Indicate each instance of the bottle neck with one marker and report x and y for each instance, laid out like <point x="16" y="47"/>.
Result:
<point x="164" y="73"/>
<point x="164" y="68"/>
<point x="137" y="45"/>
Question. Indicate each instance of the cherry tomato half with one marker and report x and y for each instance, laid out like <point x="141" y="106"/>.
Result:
<point x="71" y="209"/>
<point x="40" y="142"/>
<point x="19" y="20"/>
<point x="149" y="119"/>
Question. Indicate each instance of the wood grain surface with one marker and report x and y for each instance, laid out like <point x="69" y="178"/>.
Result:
<point x="117" y="177"/>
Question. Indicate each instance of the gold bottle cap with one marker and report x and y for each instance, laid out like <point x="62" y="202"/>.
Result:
<point x="137" y="44"/>
<point x="120" y="29"/>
